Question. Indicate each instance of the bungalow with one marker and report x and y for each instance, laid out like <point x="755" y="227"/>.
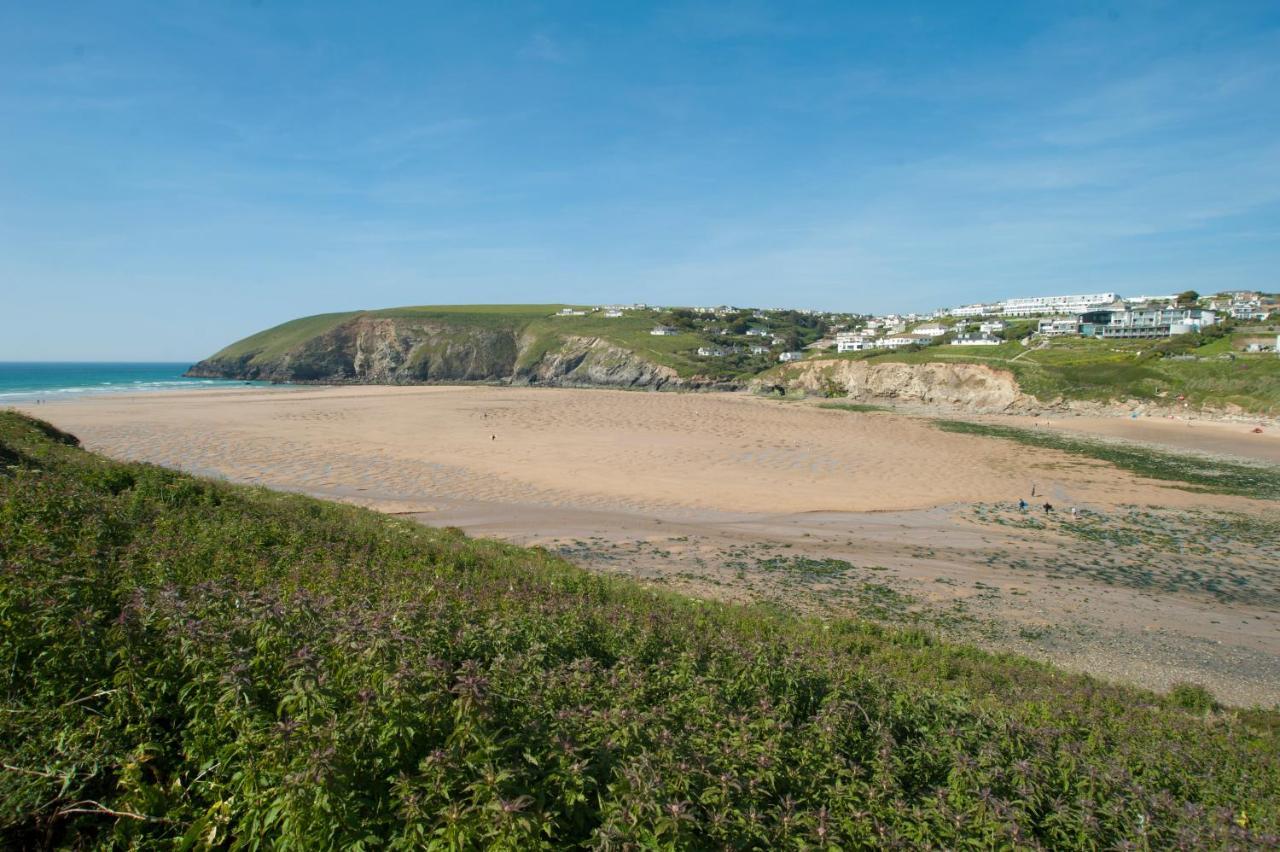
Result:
<point x="758" y="332"/>
<point x="711" y="352"/>
<point x="992" y="326"/>
<point x="664" y="331"/>
<point x="759" y="349"/>
<point x="932" y="330"/>
<point x="613" y="313"/>
<point x="899" y="341"/>
<point x="571" y="312"/>
<point x="787" y="357"/>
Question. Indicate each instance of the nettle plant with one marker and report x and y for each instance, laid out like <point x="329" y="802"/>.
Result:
<point x="192" y="664"/>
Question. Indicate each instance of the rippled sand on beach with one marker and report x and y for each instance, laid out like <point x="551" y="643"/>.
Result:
<point x="697" y="492"/>
<point x="588" y="449"/>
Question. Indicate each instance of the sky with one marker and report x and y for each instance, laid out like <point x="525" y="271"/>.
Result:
<point x="176" y="175"/>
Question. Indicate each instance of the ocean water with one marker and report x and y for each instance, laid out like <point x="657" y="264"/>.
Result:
<point x="51" y="381"/>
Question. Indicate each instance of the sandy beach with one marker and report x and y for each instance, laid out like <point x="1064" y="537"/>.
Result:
<point x="710" y="493"/>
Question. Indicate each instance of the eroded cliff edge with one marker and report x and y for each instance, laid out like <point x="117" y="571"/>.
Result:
<point x="964" y="387"/>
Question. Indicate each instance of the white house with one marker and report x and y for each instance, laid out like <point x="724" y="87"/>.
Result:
<point x="571" y="312"/>
<point x="975" y="338"/>
<point x="613" y="313"/>
<point x="758" y="332"/>
<point x="711" y="352"/>
<point x="664" y="331"/>
<point x="992" y="326"/>
<point x="932" y="330"/>
<point x="898" y="341"/>
<point x="786" y="357"/>
<point x="759" y="349"/>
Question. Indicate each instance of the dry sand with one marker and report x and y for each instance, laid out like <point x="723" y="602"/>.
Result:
<point x="698" y="491"/>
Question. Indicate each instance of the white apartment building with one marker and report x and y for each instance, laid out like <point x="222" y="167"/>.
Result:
<point x="1058" y="326"/>
<point x="976" y="310"/>
<point x="1037" y="305"/>
<point x="852" y="341"/>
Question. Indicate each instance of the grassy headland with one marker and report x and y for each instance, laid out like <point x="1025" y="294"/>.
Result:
<point x="191" y="663"/>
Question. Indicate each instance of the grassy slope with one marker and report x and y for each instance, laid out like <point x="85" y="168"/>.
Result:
<point x="276" y="341"/>
<point x="184" y="659"/>
<point x="630" y="331"/>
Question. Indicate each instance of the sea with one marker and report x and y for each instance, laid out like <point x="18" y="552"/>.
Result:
<point x="28" y="381"/>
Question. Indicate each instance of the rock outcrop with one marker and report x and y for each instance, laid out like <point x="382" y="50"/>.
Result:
<point x="970" y="387"/>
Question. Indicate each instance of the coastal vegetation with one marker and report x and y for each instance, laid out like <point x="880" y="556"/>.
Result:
<point x="195" y="664"/>
<point x="1188" y="471"/>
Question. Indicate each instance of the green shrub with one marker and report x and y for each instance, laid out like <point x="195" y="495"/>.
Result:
<point x="1193" y="697"/>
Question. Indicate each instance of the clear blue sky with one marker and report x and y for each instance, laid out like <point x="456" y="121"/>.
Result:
<point x="175" y="175"/>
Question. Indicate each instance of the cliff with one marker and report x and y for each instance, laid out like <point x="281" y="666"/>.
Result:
<point x="969" y="387"/>
<point x="369" y="348"/>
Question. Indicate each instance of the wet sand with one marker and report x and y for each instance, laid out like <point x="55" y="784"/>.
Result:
<point x="709" y="493"/>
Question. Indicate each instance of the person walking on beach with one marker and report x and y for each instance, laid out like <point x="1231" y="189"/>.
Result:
<point x="1048" y="507"/>
<point x="1022" y="505"/>
<point x="1033" y="489"/>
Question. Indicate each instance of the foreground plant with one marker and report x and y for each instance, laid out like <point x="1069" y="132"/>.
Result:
<point x="188" y="663"/>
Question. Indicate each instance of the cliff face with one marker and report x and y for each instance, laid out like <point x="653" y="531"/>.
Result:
<point x="969" y="387"/>
<point x="372" y="350"/>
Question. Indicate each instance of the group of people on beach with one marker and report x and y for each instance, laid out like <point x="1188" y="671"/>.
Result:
<point x="1048" y="507"/>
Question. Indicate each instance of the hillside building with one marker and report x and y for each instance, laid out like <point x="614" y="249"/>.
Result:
<point x="975" y="338"/>
<point x="1125" y="321"/>
<point x="1040" y="305"/>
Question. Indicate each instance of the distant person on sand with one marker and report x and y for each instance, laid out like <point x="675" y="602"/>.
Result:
<point x="1022" y="505"/>
<point x="1033" y="489"/>
<point x="1048" y="507"/>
